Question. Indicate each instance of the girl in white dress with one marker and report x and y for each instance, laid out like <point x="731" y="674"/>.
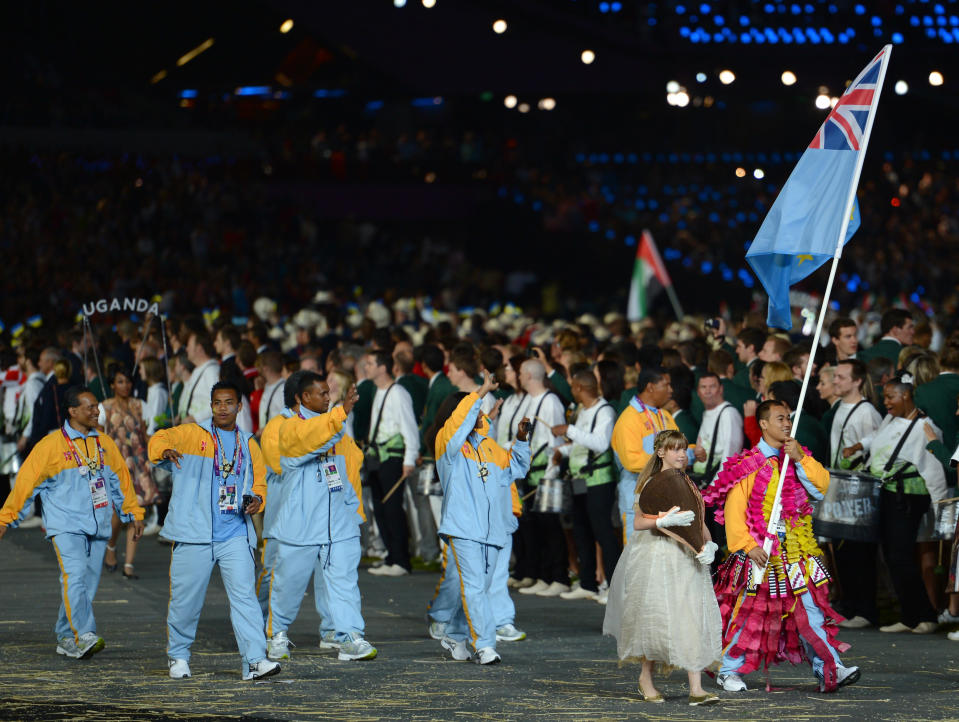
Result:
<point x="662" y="608"/>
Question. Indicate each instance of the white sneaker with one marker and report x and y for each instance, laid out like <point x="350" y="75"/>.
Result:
<point x="512" y="583"/>
<point x="438" y="630"/>
<point x="538" y="586"/>
<point x="487" y="655"/>
<point x="258" y="670"/>
<point x="509" y="633"/>
<point x="32" y="523"/>
<point x="844" y="676"/>
<point x="89" y="644"/>
<point x="926" y="628"/>
<point x="356" y="649"/>
<point x="388" y="570"/>
<point x="67" y="646"/>
<point x="856" y="622"/>
<point x="278" y="646"/>
<point x="553" y="590"/>
<point x="953" y="636"/>
<point x="329" y="641"/>
<point x="947" y="618"/>
<point x="523" y="583"/>
<point x="150" y="526"/>
<point x="731" y="682"/>
<point x="179" y="669"/>
<point x="578" y="593"/>
<point x="603" y="597"/>
<point x="896" y="628"/>
<point x="459" y="651"/>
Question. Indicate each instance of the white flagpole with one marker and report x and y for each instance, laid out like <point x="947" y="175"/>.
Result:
<point x="776" y="512"/>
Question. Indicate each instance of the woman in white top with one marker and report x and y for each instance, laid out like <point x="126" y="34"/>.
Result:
<point x="156" y="413"/>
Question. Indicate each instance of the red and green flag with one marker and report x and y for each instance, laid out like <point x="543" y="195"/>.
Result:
<point x="649" y="278"/>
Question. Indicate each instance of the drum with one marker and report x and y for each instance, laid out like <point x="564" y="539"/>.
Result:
<point x="552" y="497"/>
<point x="850" y="509"/>
<point x="427" y="482"/>
<point x="9" y="459"/>
<point x="939" y="523"/>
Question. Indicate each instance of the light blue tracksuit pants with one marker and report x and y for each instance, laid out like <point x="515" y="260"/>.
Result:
<point x="335" y="585"/>
<point x="473" y="615"/>
<point x="81" y="560"/>
<point x="730" y="664"/>
<point x="268" y="563"/>
<point x="190" y="570"/>
<point x="447" y="594"/>
<point x="504" y="611"/>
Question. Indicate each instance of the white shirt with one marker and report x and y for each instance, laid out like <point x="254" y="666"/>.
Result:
<point x="729" y="436"/>
<point x="195" y="398"/>
<point x="884" y="442"/>
<point x="398" y="418"/>
<point x="271" y="402"/>
<point x="244" y="419"/>
<point x="31" y="390"/>
<point x="549" y="407"/>
<point x="862" y="424"/>
<point x="155" y="406"/>
<point x="583" y="439"/>
<point x="510" y="414"/>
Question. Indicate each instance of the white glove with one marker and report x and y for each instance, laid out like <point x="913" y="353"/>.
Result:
<point x="706" y="556"/>
<point x="675" y="517"/>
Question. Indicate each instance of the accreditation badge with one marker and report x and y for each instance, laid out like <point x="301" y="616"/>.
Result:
<point x="98" y="492"/>
<point x="332" y="476"/>
<point x="227" y="499"/>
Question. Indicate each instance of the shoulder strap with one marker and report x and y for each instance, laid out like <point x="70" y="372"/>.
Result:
<point x="376" y="427"/>
<point x="902" y="440"/>
<point x="590" y="454"/>
<point x="712" y="444"/>
<point x="270" y="400"/>
<point x="509" y="430"/>
<point x="842" y="431"/>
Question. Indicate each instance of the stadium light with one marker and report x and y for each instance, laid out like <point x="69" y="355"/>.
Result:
<point x="510" y="101"/>
<point x="399" y="3"/>
<point x="758" y="174"/>
<point x="740" y="172"/>
<point x="726" y="77"/>
<point x="901" y="87"/>
<point x="700" y="77"/>
<point x="499" y="27"/>
<point x="935" y="78"/>
<point x="833" y="101"/>
<point x="587" y="56"/>
<point x="429" y="3"/>
<point x="208" y="43"/>
<point x="523" y="107"/>
<point x="547" y="104"/>
<point x="788" y="77"/>
<point x="682" y="99"/>
<point x="672" y="87"/>
<point x="822" y="101"/>
<point x="287" y="26"/>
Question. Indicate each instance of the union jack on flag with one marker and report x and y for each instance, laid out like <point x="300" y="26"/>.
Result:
<point x="844" y="126"/>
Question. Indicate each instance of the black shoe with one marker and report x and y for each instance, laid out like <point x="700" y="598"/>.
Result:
<point x="131" y="575"/>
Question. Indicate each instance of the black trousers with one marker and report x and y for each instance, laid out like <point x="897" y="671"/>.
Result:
<point x="549" y="550"/>
<point x="593" y="522"/>
<point x="899" y="519"/>
<point x="389" y="515"/>
<point x="524" y="548"/>
<point x="856" y="568"/>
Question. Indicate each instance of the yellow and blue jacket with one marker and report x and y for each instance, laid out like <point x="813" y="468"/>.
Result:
<point x="51" y="471"/>
<point x="270" y="447"/>
<point x="190" y="515"/>
<point x="309" y="512"/>
<point x="476" y="474"/>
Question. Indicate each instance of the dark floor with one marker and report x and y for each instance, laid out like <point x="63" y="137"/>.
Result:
<point x="565" y="670"/>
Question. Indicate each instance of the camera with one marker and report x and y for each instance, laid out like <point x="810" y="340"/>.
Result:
<point x="712" y="324"/>
<point x="247" y="500"/>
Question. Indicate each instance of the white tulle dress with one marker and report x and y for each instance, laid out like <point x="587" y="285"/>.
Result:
<point x="662" y="607"/>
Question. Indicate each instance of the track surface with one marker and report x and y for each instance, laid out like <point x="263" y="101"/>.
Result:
<point x="565" y="670"/>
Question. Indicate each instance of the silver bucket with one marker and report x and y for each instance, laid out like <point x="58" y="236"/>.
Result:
<point x="9" y="459"/>
<point x="850" y="509"/>
<point x="427" y="483"/>
<point x="552" y="497"/>
<point x="939" y="523"/>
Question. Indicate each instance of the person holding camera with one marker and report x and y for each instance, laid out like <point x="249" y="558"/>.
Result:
<point x="219" y="483"/>
<point x="477" y="475"/>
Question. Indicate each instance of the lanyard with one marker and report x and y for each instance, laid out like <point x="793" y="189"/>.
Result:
<point x="659" y="415"/>
<point x="88" y="465"/>
<point x="229" y="467"/>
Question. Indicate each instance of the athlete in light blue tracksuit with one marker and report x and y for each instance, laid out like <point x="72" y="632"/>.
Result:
<point x="216" y="465"/>
<point x="475" y="472"/>
<point x="318" y="523"/>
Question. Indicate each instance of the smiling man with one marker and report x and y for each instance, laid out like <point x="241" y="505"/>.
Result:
<point x="219" y="482"/>
<point x="80" y="478"/>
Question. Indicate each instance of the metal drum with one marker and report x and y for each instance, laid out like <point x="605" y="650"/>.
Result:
<point x="553" y="496"/>
<point x="427" y="482"/>
<point x="9" y="459"/>
<point x="850" y="509"/>
<point x="939" y="523"/>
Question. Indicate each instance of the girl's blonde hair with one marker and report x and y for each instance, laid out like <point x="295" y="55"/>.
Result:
<point x="343" y="382"/>
<point x="776" y="371"/>
<point x="665" y="440"/>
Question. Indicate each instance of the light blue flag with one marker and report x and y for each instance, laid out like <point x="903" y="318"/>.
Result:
<point x="801" y="230"/>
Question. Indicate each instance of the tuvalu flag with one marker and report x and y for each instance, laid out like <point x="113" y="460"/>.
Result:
<point x="649" y="278"/>
<point x="801" y="230"/>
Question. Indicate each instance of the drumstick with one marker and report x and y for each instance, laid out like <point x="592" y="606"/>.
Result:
<point x="946" y="501"/>
<point x="395" y="487"/>
<point x="543" y="421"/>
<point x="528" y="495"/>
